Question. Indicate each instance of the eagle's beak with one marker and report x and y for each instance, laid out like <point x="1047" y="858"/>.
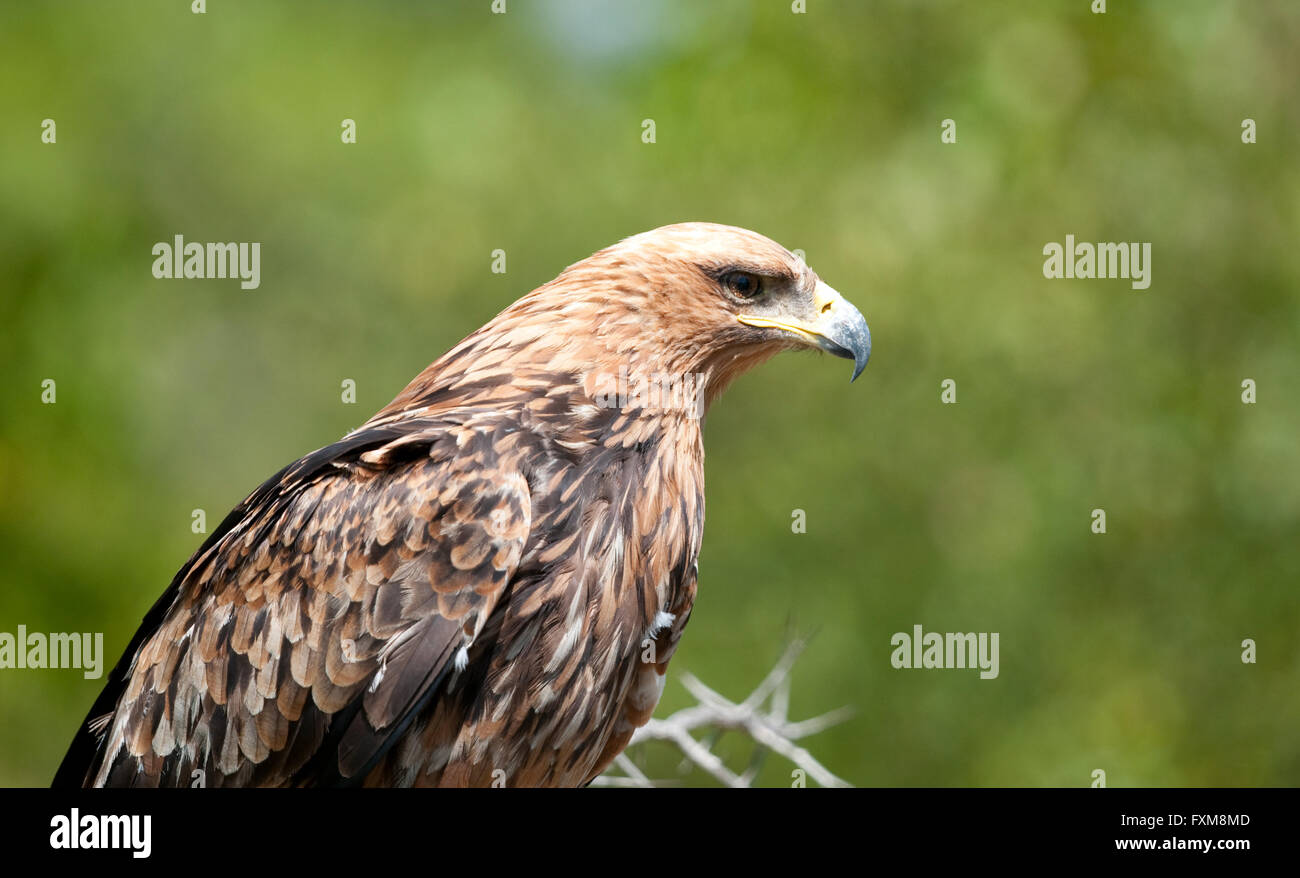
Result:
<point x="836" y="327"/>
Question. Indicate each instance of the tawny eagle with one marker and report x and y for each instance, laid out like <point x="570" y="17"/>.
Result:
<point x="484" y="583"/>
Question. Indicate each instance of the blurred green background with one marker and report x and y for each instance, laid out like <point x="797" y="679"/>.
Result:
<point x="523" y="132"/>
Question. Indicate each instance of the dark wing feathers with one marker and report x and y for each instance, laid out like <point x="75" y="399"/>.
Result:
<point x="417" y="667"/>
<point x="318" y="619"/>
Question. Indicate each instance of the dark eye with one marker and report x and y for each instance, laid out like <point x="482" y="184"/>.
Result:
<point x="743" y="284"/>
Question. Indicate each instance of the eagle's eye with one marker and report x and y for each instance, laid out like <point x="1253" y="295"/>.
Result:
<point x="743" y="284"/>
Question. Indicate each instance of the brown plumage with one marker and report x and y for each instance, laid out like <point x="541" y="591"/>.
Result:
<point x="485" y="582"/>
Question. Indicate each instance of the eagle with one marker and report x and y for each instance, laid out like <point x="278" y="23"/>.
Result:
<point x="484" y="583"/>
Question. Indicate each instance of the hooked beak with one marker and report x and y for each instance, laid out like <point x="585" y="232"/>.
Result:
<point x="837" y="327"/>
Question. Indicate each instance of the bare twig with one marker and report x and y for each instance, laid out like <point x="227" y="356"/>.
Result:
<point x="762" y="716"/>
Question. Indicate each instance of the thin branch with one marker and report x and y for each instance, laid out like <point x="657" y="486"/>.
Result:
<point x="633" y="776"/>
<point x="714" y="714"/>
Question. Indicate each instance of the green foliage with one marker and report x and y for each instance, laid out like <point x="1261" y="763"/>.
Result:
<point x="523" y="132"/>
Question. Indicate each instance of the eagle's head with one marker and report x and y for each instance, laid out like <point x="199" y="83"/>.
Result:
<point x="693" y="302"/>
<point x="732" y="293"/>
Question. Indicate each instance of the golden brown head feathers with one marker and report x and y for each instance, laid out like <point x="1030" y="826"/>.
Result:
<point x="664" y="302"/>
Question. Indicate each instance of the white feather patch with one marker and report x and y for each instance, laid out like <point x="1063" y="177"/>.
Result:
<point x="662" y="621"/>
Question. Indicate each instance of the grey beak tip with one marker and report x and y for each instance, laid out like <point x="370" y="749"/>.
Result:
<point x="847" y="336"/>
<point x="863" y="354"/>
